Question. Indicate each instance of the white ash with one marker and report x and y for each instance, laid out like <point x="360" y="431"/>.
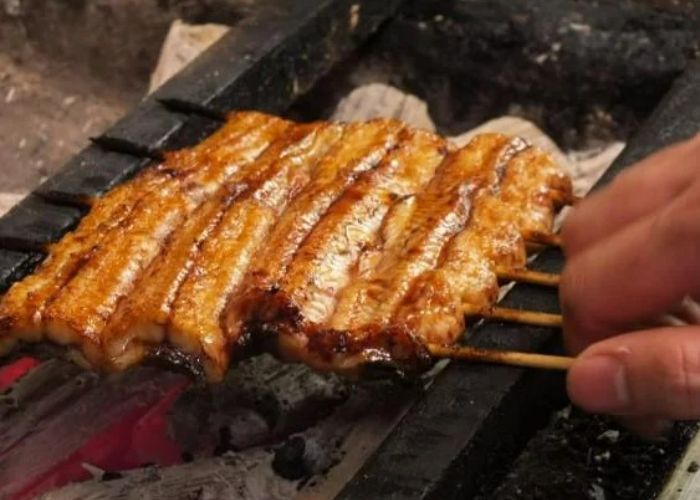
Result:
<point x="610" y="436"/>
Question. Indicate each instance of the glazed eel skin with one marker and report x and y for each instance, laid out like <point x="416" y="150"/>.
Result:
<point x="331" y="244"/>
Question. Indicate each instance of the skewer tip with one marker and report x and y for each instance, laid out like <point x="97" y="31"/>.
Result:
<point x="532" y="318"/>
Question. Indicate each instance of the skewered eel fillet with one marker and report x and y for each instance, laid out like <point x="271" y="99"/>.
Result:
<point x="329" y="244"/>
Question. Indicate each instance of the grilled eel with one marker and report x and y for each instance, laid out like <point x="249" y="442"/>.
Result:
<point x="335" y="245"/>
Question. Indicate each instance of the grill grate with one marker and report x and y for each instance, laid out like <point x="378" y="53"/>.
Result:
<point x="472" y="413"/>
<point x="473" y="417"/>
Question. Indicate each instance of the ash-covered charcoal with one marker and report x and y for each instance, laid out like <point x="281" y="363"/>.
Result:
<point x="309" y="454"/>
<point x="293" y="420"/>
<point x="190" y="425"/>
<point x="289" y="396"/>
<point x="591" y="457"/>
<point x="273" y="471"/>
<point x="46" y="379"/>
<point x="247" y="476"/>
<point x="289" y="461"/>
<point x="59" y="415"/>
<point x="260" y="402"/>
<point x="44" y="391"/>
<point x="246" y="428"/>
<point x="621" y="57"/>
<point x="316" y="450"/>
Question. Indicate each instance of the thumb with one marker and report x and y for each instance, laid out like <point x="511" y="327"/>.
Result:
<point x="647" y="373"/>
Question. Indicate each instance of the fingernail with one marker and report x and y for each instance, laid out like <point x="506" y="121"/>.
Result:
<point x="599" y="384"/>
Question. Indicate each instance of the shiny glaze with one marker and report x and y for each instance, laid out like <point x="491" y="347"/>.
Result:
<point x="529" y="189"/>
<point x="441" y="211"/>
<point x="323" y="265"/>
<point x="21" y="309"/>
<point x="338" y="245"/>
<point x="130" y="221"/>
<point x="361" y="149"/>
<point x="225" y="256"/>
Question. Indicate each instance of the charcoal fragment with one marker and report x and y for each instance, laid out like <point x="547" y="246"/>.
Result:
<point x="289" y="461"/>
<point x="111" y="476"/>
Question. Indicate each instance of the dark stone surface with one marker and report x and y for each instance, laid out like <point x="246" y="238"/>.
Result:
<point x="579" y="456"/>
<point x="14" y="266"/>
<point x="34" y="223"/>
<point x="599" y="67"/>
<point x="585" y="72"/>
<point x="90" y="174"/>
<point x="276" y="55"/>
<point x="675" y="119"/>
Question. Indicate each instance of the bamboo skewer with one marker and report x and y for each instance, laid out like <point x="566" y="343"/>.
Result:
<point x="532" y="318"/>
<point x="528" y="276"/>
<point x="533" y="248"/>
<point x="543" y="239"/>
<point x="523" y="359"/>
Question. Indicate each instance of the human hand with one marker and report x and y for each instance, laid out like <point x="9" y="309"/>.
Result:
<point x="633" y="254"/>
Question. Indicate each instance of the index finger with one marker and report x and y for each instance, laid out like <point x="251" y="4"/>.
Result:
<point x="634" y="275"/>
<point x="639" y="191"/>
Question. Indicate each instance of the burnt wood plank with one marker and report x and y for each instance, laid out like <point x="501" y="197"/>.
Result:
<point x="14" y="266"/>
<point x="90" y="174"/>
<point x="274" y="56"/>
<point x="34" y="223"/>
<point x="475" y="418"/>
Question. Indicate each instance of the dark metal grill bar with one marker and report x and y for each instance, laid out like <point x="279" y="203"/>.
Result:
<point x="473" y="416"/>
<point x="14" y="266"/>
<point x="265" y="63"/>
<point x="34" y="223"/>
<point x="90" y="174"/>
<point x="273" y="57"/>
<point x="144" y="132"/>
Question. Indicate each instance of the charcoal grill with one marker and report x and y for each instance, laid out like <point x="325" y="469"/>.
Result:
<point x="459" y="435"/>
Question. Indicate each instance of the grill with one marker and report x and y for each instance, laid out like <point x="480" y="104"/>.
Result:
<point x="452" y="439"/>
